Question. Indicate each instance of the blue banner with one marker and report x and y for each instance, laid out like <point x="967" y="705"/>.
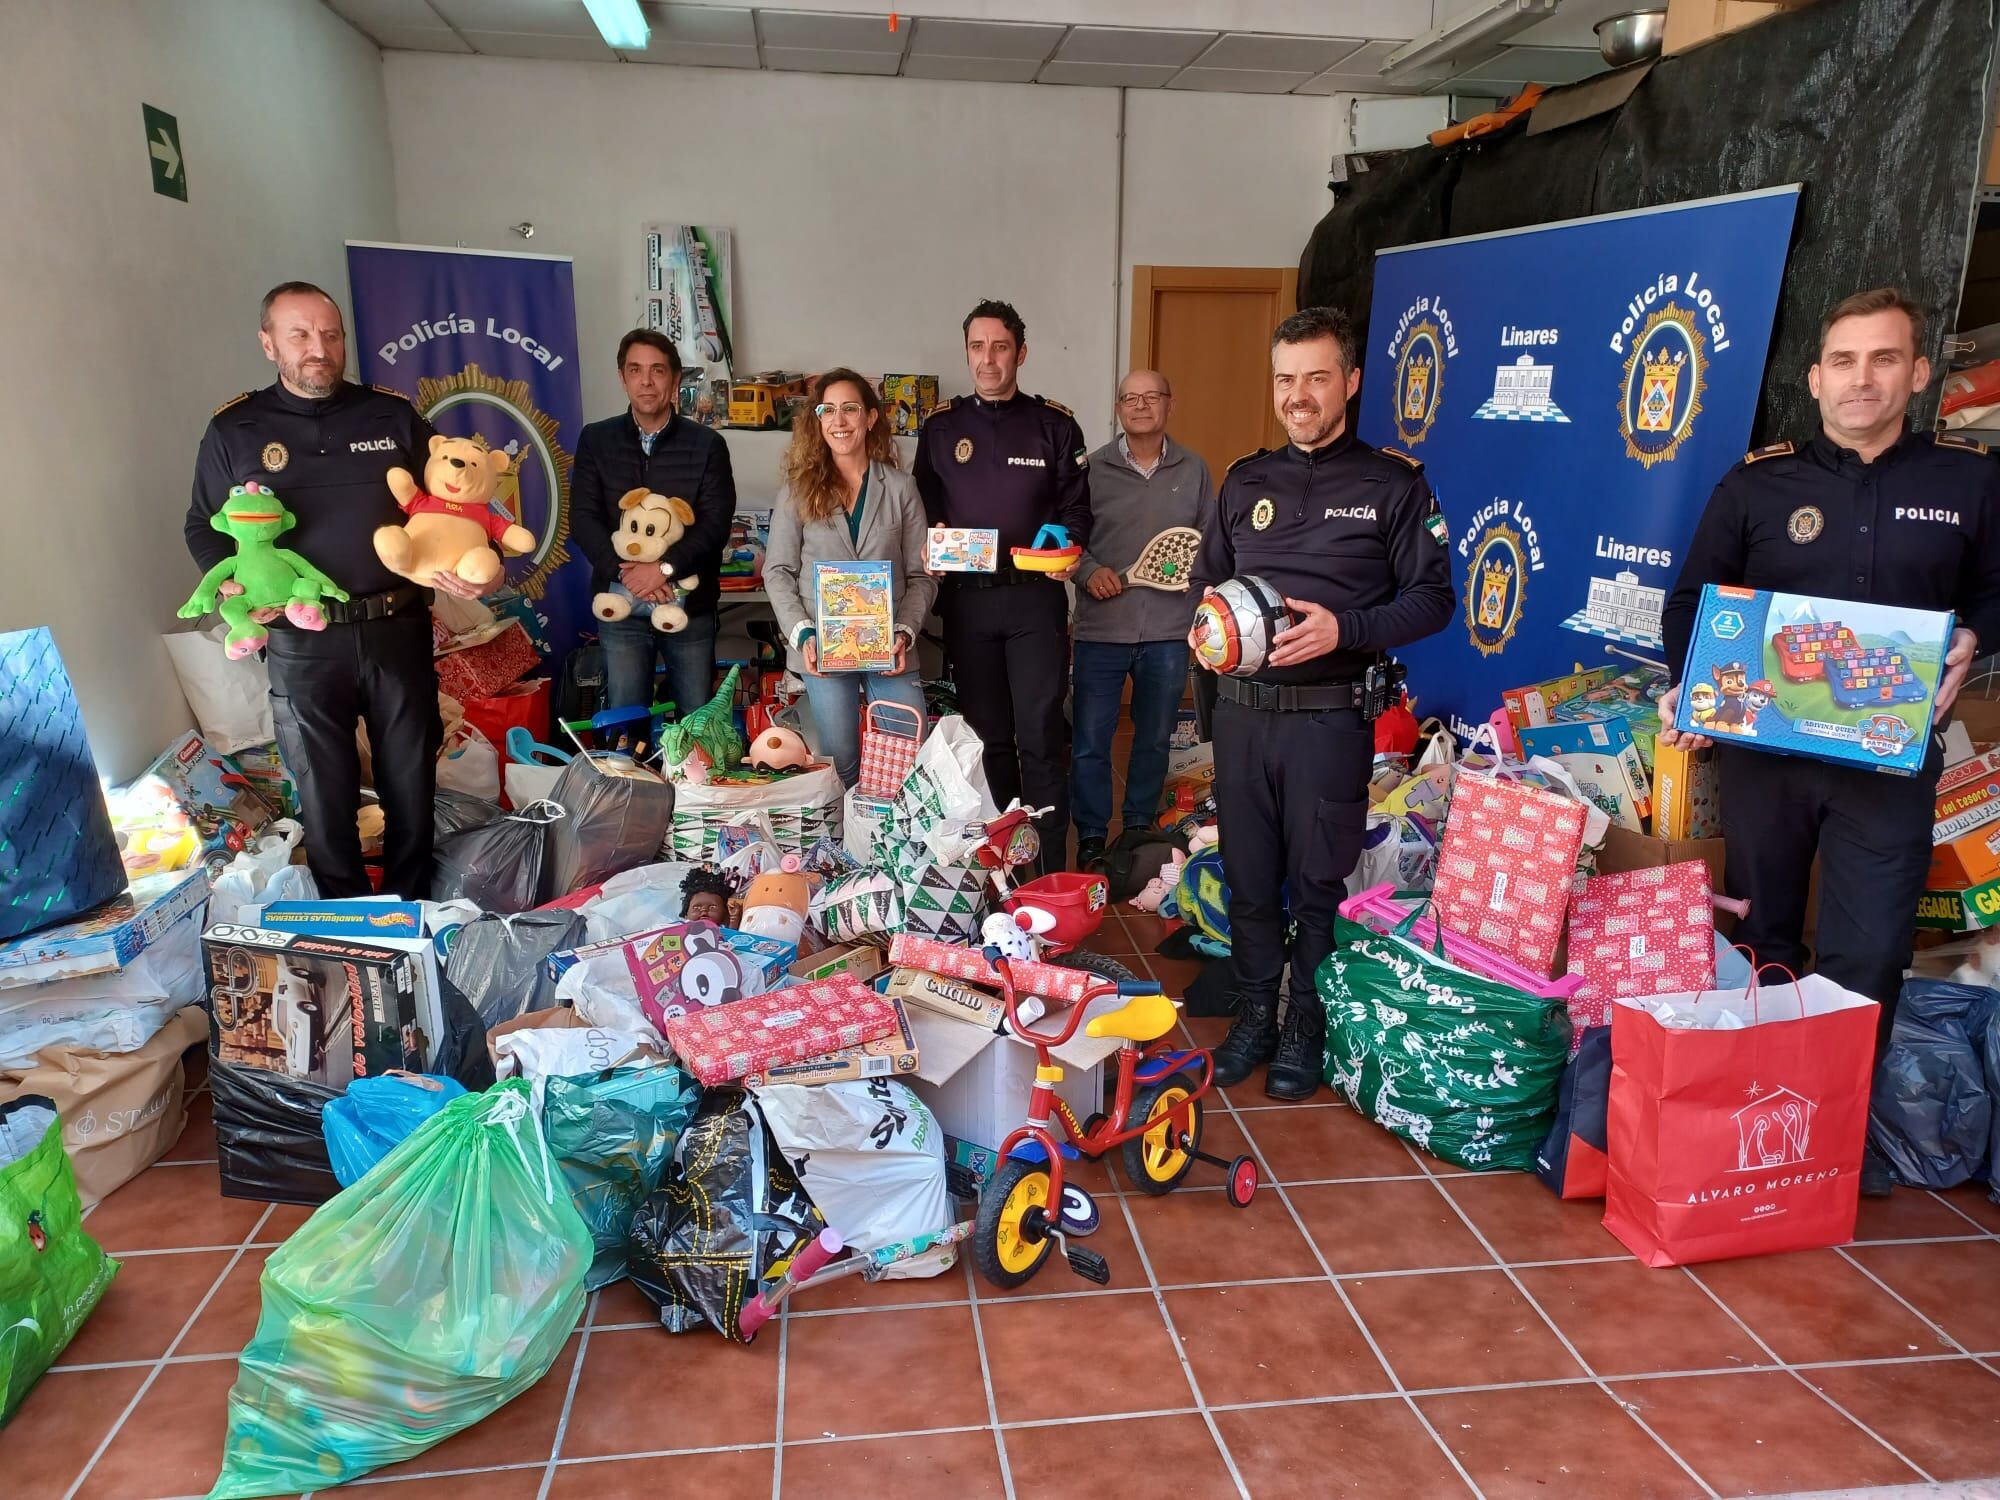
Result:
<point x="1574" y="391"/>
<point x="485" y="344"/>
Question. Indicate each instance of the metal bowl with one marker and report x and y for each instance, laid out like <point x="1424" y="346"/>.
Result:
<point x="1632" y="37"/>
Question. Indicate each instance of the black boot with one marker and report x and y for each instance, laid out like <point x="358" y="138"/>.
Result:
<point x="1252" y="1039"/>
<point x="1877" y="1177"/>
<point x="1299" y="1067"/>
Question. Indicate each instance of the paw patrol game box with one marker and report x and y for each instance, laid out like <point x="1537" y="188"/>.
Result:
<point x="1854" y="684"/>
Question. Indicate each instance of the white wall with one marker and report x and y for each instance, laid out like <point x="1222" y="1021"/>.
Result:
<point x="128" y="317"/>
<point x="869" y="213"/>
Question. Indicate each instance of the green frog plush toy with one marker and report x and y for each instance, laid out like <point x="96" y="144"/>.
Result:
<point x="269" y="576"/>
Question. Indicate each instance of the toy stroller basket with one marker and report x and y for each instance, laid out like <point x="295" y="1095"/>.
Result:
<point x="1077" y="902"/>
<point x="1378" y="902"/>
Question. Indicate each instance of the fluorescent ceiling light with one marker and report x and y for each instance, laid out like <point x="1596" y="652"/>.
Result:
<point x="620" y="23"/>
<point x="1468" y="41"/>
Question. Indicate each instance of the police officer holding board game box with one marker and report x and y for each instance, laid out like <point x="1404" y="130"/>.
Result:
<point x="1871" y="511"/>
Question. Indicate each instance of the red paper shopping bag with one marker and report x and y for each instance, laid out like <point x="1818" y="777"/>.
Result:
<point x="1505" y="867"/>
<point x="1724" y="1142"/>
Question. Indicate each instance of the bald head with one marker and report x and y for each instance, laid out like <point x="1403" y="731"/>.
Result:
<point x="1145" y="401"/>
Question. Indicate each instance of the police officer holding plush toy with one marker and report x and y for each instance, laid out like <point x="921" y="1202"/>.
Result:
<point x="1867" y="510"/>
<point x="324" y="447"/>
<point x="1353" y="540"/>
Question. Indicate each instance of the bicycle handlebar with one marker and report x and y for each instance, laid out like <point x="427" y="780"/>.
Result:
<point x="1096" y="990"/>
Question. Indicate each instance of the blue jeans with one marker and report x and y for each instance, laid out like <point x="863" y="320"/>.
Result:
<point x="1158" y="670"/>
<point x="631" y="647"/>
<point x="836" y="709"/>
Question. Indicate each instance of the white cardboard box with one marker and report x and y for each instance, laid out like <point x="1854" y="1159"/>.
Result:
<point x="978" y="1082"/>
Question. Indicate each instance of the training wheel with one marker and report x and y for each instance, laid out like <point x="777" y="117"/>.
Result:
<point x="1079" y="1212"/>
<point x="1242" y="1184"/>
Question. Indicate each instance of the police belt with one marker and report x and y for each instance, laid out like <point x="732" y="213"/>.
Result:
<point x="1305" y="698"/>
<point x="364" y="607"/>
<point x="1004" y="578"/>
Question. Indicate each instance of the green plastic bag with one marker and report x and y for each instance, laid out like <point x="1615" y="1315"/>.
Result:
<point x="51" y="1272"/>
<point x="411" y="1305"/>
<point x="1462" y="1066"/>
<point x="613" y="1135"/>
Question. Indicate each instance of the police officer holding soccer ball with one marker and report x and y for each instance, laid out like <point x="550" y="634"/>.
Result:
<point x="1872" y="511"/>
<point x="1352" y="542"/>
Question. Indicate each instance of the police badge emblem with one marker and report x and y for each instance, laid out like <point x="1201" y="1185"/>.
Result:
<point x="1262" y="512"/>
<point x="275" y="457"/>
<point x="1805" y="524"/>
<point x="963" y="452"/>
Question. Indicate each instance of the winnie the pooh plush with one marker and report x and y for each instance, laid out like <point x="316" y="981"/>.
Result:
<point x="648" y="524"/>
<point x="451" y="519"/>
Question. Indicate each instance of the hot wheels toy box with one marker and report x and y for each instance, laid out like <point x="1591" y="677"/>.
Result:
<point x="1854" y="684"/>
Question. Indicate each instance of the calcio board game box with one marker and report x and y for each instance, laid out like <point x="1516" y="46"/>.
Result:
<point x="1850" y="683"/>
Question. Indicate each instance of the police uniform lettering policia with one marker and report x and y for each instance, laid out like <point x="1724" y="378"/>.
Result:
<point x="1352" y="537"/>
<point x="1012" y="462"/>
<point x="1869" y="511"/>
<point x="325" y="446"/>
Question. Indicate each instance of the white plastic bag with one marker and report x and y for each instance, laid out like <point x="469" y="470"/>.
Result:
<point x="536" y="1052"/>
<point x="468" y="763"/>
<point x="602" y="992"/>
<point x="945" y="800"/>
<point x="119" y="1011"/>
<point x="866" y="820"/>
<point x="262" y="874"/>
<point x="644" y="899"/>
<point x="526" y="783"/>
<point x="231" y="699"/>
<point x="871" y="1155"/>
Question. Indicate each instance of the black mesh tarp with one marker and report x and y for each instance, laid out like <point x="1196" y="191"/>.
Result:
<point x="1878" y="106"/>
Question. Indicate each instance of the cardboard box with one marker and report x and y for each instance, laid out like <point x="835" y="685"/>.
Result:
<point x="1692" y="22"/>
<point x="1600" y="754"/>
<point x="1637" y="851"/>
<point x="1633" y="696"/>
<point x="982" y="1097"/>
<point x="1971" y="909"/>
<point x="858" y="959"/>
<point x="729" y="966"/>
<point x="362" y="919"/>
<point x="327" y="1010"/>
<point x="217" y="797"/>
<point x="947" y="997"/>
<point x="109" y="937"/>
<point x="720" y="1043"/>
<point x="910" y="399"/>
<point x="854" y="613"/>
<point x="893" y="1056"/>
<point x="1867" y="705"/>
<point x="962" y="549"/>
<point x="1687" y="793"/>
<point x="1980" y="718"/>
<point x="1529" y="707"/>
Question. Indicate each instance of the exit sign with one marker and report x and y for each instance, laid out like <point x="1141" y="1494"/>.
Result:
<point x="163" y="150"/>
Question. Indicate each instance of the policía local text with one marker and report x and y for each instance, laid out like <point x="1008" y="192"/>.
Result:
<point x="425" y="329"/>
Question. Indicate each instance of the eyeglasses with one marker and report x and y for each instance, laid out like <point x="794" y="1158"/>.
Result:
<point x="849" y="409"/>
<point x="1142" y="398"/>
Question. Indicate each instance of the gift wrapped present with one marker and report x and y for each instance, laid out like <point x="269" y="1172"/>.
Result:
<point x="1505" y="866"/>
<point x="1639" y="933"/>
<point x="1051" y="981"/>
<point x="766" y="1031"/>
<point x="496" y="657"/>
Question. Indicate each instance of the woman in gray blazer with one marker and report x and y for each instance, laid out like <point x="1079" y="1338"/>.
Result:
<point x="846" y="500"/>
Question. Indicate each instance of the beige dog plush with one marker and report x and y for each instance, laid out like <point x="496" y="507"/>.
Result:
<point x="648" y="524"/>
<point x="451" y="520"/>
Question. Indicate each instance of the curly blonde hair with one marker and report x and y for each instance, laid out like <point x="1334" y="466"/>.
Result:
<point x="809" y="471"/>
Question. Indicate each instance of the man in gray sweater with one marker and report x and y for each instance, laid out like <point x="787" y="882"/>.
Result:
<point x="1140" y="484"/>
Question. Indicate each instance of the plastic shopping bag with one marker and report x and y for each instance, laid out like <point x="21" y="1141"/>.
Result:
<point x="501" y="867"/>
<point x="945" y="801"/>
<point x="258" y="876"/>
<point x="231" y="699"/>
<point x="1571" y="1162"/>
<point x="468" y="763"/>
<point x="51" y="1271"/>
<point x="1933" y="1112"/>
<point x="376" y="1115"/>
<point x="613" y="1135"/>
<point x="412" y="1305"/>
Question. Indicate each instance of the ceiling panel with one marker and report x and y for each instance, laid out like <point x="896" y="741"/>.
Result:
<point x="553" y="48"/>
<point x="1237" y="81"/>
<point x="703" y="36"/>
<point x="994" y="39"/>
<point x="799" y="30"/>
<point x="823" y="60"/>
<point x="973" y="69"/>
<point x="1278" y="54"/>
<point x="416" y="39"/>
<point x="1127" y="45"/>
<point x="1357" y="74"/>
<point x="1571" y="26"/>
<point x="1536" y="65"/>
<point x="1106" y="75"/>
<point x="521" y="17"/>
<point x="415" y="15"/>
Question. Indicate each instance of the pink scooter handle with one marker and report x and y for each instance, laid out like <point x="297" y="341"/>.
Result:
<point x="806" y="1264"/>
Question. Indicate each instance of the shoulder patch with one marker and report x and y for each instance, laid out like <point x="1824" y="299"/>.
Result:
<point x="944" y="405"/>
<point x="1054" y="405"/>
<point x="1773" y="450"/>
<point x="389" y="390"/>
<point x="1238" y="463"/>
<point x="232" y="401"/>
<point x="1403" y="458"/>
<point x="1961" y="442"/>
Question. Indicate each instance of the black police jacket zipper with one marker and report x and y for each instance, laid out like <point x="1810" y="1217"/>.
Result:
<point x="1312" y="468"/>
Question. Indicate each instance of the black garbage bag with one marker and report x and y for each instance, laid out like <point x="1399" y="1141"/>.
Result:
<point x="454" y="812"/>
<point x="269" y="1144"/>
<point x="497" y="962"/>
<point x="501" y="866"/>
<point x="1932" y="1112"/>
<point x="729" y="1209"/>
<point x="615" y="822"/>
<point x="461" y="1052"/>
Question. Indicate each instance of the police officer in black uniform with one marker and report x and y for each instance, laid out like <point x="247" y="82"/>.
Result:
<point x="1872" y="511"/>
<point x="1012" y="462"/>
<point x="1354" y="540"/>
<point x="325" y="446"/>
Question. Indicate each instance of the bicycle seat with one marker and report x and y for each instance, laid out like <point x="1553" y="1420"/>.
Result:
<point x="1143" y="1018"/>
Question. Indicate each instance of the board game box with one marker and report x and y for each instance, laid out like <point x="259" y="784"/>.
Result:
<point x="1850" y="683"/>
<point x="855" y="616"/>
<point x="962" y="549"/>
<point x="1600" y="754"/>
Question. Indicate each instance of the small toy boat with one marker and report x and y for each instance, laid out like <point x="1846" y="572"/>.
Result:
<point x="1048" y="559"/>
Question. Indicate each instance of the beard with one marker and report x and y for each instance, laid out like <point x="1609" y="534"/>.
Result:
<point x="316" y="381"/>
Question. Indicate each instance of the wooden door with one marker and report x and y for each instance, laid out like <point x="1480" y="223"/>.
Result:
<point x="1208" y="330"/>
